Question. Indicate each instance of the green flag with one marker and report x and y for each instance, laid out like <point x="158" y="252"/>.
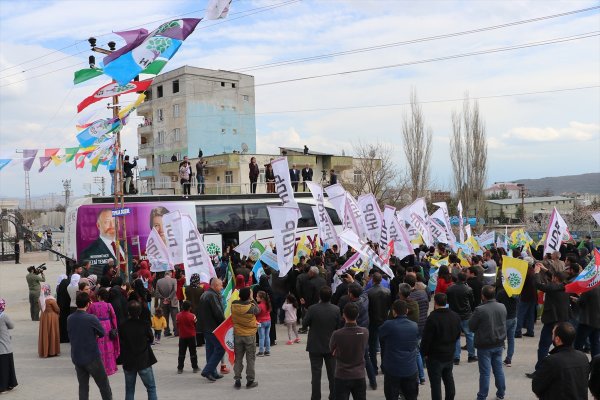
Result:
<point x="86" y="74"/>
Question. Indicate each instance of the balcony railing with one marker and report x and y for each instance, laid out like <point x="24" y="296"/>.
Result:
<point x="209" y="188"/>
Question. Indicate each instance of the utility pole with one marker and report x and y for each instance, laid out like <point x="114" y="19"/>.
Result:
<point x="99" y="181"/>
<point x="27" y="192"/>
<point x="67" y="186"/>
<point x="119" y="200"/>
<point x="522" y="193"/>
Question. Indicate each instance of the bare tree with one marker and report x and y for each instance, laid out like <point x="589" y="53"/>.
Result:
<point x="375" y="172"/>
<point x="468" y="152"/>
<point x="417" y="147"/>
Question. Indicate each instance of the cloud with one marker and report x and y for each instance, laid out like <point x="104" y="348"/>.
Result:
<point x="576" y="131"/>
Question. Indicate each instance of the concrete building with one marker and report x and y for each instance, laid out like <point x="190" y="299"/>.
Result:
<point x="508" y="208"/>
<point x="228" y="173"/>
<point x="191" y="109"/>
<point x="512" y="190"/>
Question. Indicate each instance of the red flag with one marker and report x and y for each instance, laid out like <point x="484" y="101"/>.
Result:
<point x="113" y="89"/>
<point x="224" y="334"/>
<point x="588" y="279"/>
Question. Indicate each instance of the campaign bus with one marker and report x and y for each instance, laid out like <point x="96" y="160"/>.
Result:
<point x="223" y="220"/>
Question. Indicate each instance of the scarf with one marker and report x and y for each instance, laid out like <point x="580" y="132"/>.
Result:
<point x="195" y="280"/>
<point x="45" y="293"/>
<point x="92" y="280"/>
<point x="61" y="278"/>
<point x="75" y="280"/>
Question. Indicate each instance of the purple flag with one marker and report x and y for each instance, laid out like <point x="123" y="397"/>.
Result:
<point x="133" y="35"/>
<point x="44" y="162"/>
<point x="28" y="158"/>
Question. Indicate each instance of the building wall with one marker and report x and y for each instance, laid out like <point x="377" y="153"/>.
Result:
<point x="510" y="210"/>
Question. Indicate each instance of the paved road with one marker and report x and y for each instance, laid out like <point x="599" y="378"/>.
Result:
<point x="284" y="375"/>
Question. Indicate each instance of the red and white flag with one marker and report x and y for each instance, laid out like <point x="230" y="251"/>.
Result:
<point x="588" y="279"/>
<point x="113" y="89"/>
<point x="224" y="334"/>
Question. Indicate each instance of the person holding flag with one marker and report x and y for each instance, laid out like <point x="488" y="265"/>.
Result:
<point x="212" y="312"/>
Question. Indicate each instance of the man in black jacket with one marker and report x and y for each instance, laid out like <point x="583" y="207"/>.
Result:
<point x="379" y="306"/>
<point x="135" y="337"/>
<point x="589" y="321"/>
<point x="474" y="282"/>
<point x="461" y="301"/>
<point x="323" y="319"/>
<point x="211" y="310"/>
<point x="441" y="332"/>
<point x="128" y="171"/>
<point x="564" y="373"/>
<point x="307" y="175"/>
<point x="309" y="288"/>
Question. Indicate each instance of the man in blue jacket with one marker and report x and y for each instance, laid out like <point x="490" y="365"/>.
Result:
<point x="399" y="338"/>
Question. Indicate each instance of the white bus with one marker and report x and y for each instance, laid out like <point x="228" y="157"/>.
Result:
<point x="222" y="219"/>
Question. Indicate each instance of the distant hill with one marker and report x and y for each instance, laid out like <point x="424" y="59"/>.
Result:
<point x="555" y="185"/>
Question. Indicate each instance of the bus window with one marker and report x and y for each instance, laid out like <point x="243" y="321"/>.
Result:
<point x="333" y="215"/>
<point x="257" y="217"/>
<point x="307" y="219"/>
<point x="223" y="218"/>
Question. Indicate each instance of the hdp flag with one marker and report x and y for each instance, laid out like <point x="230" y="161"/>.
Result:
<point x="47" y="158"/>
<point x="114" y="89"/>
<point x="258" y="270"/>
<point x="514" y="272"/>
<point x="244" y="248"/>
<point x="127" y="62"/>
<point x="28" y="158"/>
<point x="97" y="130"/>
<point x="588" y="279"/>
<point x="217" y="9"/>
<point x="224" y="334"/>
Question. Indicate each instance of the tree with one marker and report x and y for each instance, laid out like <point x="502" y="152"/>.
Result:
<point x="417" y="147"/>
<point x="468" y="152"/>
<point x="375" y="172"/>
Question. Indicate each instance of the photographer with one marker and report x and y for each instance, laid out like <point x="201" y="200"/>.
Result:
<point x="34" y="279"/>
<point x="128" y="171"/>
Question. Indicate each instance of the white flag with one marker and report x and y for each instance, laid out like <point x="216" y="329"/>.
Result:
<point x="284" y="221"/>
<point x="334" y="190"/>
<point x="217" y="9"/>
<point x="363" y="248"/>
<point x="283" y="183"/>
<point x="337" y="197"/>
<point x="372" y="216"/>
<point x="353" y="217"/>
<point x="196" y="259"/>
<point x="317" y="191"/>
<point x="438" y="232"/>
<point x="157" y="253"/>
<point x="486" y="238"/>
<point x="461" y="233"/>
<point x="327" y="232"/>
<point x="468" y="230"/>
<point x="394" y="230"/>
<point x="557" y="227"/>
<point x="174" y="236"/>
<point x="596" y="217"/>
<point x="244" y="247"/>
<point x="421" y="226"/>
<point x="444" y="210"/>
<point x="404" y="217"/>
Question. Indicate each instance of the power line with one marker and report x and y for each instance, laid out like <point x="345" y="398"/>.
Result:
<point x="245" y="13"/>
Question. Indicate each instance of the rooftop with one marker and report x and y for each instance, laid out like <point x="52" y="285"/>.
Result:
<point x="301" y="151"/>
<point x="530" y="200"/>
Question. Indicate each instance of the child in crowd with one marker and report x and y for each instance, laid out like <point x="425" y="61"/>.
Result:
<point x="291" y="317"/>
<point x="186" y="323"/>
<point x="264" y="321"/>
<point x="159" y="323"/>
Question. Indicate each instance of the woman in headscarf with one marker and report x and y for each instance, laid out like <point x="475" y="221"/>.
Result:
<point x="109" y="343"/>
<point x="64" y="303"/>
<point x="49" y="332"/>
<point x="8" y="378"/>
<point x="141" y="295"/>
<point x="193" y="293"/>
<point x="73" y="288"/>
<point x="118" y="300"/>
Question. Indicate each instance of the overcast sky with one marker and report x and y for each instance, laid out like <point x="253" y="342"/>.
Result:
<point x="529" y="136"/>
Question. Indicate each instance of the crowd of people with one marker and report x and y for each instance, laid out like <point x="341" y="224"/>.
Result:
<point x="361" y="324"/>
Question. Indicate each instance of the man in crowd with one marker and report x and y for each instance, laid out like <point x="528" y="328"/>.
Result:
<point x="379" y="305"/>
<point x="442" y="330"/>
<point x="589" y="321"/>
<point x="399" y="339"/>
<point x="243" y="315"/>
<point x="84" y="330"/>
<point x="307" y="175"/>
<point x="348" y="345"/>
<point x="212" y="315"/>
<point x="323" y="319"/>
<point x="128" y="172"/>
<point x="166" y="290"/>
<point x="460" y="300"/>
<point x="489" y="324"/>
<point x="475" y="283"/>
<point x="294" y="177"/>
<point x="200" y="165"/>
<point x="34" y="281"/>
<point x="527" y="308"/>
<point x="564" y="373"/>
<point x="489" y="269"/>
<point x="308" y="288"/>
<point x="419" y="295"/>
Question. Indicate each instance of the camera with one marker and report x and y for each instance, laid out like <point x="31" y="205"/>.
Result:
<point x="37" y="270"/>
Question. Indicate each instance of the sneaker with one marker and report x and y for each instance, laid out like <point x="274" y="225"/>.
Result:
<point x="196" y="370"/>
<point x="289" y="342"/>
<point x="237" y="384"/>
<point x="180" y="371"/>
<point x="251" y="384"/>
<point x="456" y="361"/>
<point x="472" y="359"/>
<point x="422" y="381"/>
<point x="507" y="363"/>
<point x="260" y="354"/>
<point x="297" y="340"/>
<point x="267" y="353"/>
<point x="225" y="370"/>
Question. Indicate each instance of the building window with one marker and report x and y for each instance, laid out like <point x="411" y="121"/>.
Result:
<point x="176" y="86"/>
<point x="175" y="110"/>
<point x="246" y="97"/>
<point x="222" y="131"/>
<point x="159" y="115"/>
<point x="233" y="85"/>
<point x="222" y="84"/>
<point x="176" y="135"/>
<point x="357" y="177"/>
<point x="234" y="131"/>
<point x="161" y="159"/>
<point x="161" y="138"/>
<point x="159" y="92"/>
<point x="228" y="177"/>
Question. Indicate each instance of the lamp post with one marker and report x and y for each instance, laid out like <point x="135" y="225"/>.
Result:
<point x="119" y="199"/>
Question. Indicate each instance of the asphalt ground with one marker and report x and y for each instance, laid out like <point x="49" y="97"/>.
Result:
<point x="283" y="375"/>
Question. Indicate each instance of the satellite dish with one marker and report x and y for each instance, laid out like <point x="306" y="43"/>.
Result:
<point x="244" y="148"/>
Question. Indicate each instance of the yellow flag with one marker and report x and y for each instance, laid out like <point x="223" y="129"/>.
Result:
<point x="234" y="296"/>
<point x="301" y="250"/>
<point x="514" y="272"/>
<point x="463" y="260"/>
<point x="473" y="243"/>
